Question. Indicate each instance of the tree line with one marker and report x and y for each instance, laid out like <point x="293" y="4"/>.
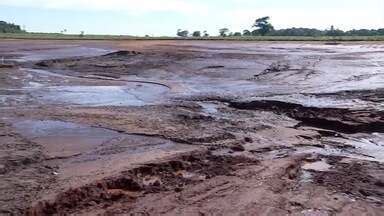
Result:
<point x="9" y="28"/>
<point x="263" y="27"/>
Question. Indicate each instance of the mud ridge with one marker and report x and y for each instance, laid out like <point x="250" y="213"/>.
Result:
<point x="374" y="95"/>
<point x="171" y="175"/>
<point x="336" y="119"/>
<point x="122" y="53"/>
<point x="5" y="65"/>
<point x="117" y="54"/>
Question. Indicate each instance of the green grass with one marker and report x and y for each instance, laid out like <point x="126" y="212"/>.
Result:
<point x="56" y="36"/>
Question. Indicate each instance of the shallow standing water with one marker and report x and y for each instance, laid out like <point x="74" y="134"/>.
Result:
<point x="65" y="139"/>
<point x="131" y="94"/>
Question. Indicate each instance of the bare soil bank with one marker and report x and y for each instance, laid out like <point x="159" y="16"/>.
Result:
<point x="191" y="128"/>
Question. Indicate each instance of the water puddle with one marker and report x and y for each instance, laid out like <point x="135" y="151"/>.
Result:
<point x="209" y="108"/>
<point x="200" y="85"/>
<point x="56" y="53"/>
<point x="305" y="177"/>
<point x="44" y="73"/>
<point x="64" y="139"/>
<point x="131" y="94"/>
<point x="317" y="166"/>
<point x="371" y="145"/>
<point x="306" y="173"/>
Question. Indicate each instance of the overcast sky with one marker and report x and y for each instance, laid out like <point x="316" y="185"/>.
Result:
<point x="164" y="17"/>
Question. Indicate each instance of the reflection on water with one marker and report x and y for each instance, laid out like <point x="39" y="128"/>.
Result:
<point x="132" y="94"/>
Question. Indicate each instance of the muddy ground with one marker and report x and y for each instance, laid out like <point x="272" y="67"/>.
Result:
<point x="191" y="128"/>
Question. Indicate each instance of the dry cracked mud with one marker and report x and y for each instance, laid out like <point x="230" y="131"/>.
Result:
<point x="191" y="128"/>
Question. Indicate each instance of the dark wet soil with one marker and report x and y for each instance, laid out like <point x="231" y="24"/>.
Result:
<point x="336" y="119"/>
<point x="356" y="178"/>
<point x="191" y="128"/>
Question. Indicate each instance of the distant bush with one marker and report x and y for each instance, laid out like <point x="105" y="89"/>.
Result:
<point x="365" y="32"/>
<point x="223" y="32"/>
<point x="308" y="32"/>
<point x="196" y="34"/>
<point x="10" y="28"/>
<point x="182" y="33"/>
<point x="311" y="32"/>
<point x="237" y="34"/>
<point x="263" y="25"/>
<point x="247" y="33"/>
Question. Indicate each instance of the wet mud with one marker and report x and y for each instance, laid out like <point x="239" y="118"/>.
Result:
<point x="191" y="128"/>
<point x="336" y="119"/>
<point x="172" y="175"/>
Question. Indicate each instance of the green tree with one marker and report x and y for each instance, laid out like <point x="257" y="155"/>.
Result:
<point x="205" y="33"/>
<point x="10" y="28"/>
<point x="237" y="34"/>
<point x="255" y="33"/>
<point x="247" y="33"/>
<point x="331" y="31"/>
<point x="196" y="34"/>
<point x="337" y="32"/>
<point x="297" y="32"/>
<point x="182" y="33"/>
<point x="263" y="25"/>
<point x="223" y="32"/>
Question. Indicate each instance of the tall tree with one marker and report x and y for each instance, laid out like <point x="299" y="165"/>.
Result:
<point x="182" y="33"/>
<point x="247" y="33"/>
<point x="223" y="32"/>
<point x="10" y="28"/>
<point x="237" y="34"/>
<point x="263" y="25"/>
<point x="196" y="34"/>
